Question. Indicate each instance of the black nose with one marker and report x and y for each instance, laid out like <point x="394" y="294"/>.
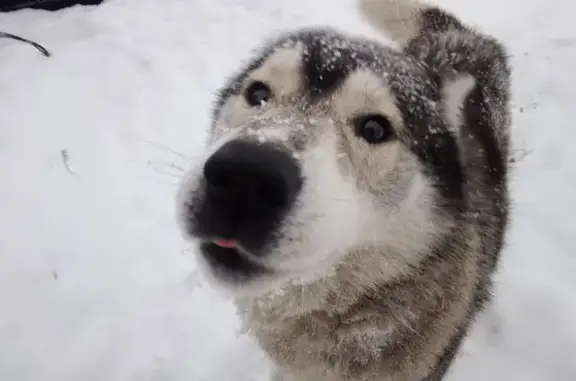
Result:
<point x="249" y="188"/>
<point x="257" y="174"/>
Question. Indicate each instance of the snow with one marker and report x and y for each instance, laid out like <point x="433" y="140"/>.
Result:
<point x="95" y="280"/>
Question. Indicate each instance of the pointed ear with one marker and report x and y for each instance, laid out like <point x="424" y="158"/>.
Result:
<point x="455" y="89"/>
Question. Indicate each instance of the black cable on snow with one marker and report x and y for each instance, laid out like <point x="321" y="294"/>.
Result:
<point x="49" y="5"/>
<point x="40" y="48"/>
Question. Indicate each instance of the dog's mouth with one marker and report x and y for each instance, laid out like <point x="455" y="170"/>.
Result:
<point x="225" y="243"/>
<point x="227" y="260"/>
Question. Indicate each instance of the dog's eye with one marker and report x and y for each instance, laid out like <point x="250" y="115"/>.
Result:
<point x="374" y="129"/>
<point x="257" y="94"/>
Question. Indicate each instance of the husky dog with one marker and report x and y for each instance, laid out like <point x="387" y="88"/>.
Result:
<point x="354" y="196"/>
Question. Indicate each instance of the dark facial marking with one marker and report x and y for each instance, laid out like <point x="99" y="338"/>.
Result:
<point x="434" y="145"/>
<point x="325" y="67"/>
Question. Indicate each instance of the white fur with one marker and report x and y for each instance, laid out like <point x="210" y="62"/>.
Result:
<point x="329" y="215"/>
<point x="335" y="215"/>
<point x="326" y="223"/>
<point x="364" y="91"/>
<point x="454" y="92"/>
<point x="399" y="18"/>
<point x="284" y="66"/>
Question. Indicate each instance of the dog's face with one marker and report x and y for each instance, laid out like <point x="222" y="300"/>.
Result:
<point x="322" y="146"/>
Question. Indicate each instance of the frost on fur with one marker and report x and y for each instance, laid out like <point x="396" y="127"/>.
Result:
<point x="347" y="191"/>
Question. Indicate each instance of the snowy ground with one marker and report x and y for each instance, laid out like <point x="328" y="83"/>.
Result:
<point x="95" y="282"/>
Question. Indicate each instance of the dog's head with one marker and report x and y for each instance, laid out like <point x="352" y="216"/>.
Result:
<point x="322" y="146"/>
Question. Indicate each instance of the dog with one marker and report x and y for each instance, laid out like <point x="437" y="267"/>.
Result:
<point x="353" y="196"/>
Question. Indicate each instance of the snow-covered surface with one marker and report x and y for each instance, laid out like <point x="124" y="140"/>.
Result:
<point x="95" y="282"/>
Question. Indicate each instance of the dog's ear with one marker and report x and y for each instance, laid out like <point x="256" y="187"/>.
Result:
<point x="455" y="90"/>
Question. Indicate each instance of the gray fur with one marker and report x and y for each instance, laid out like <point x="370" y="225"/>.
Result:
<point x="387" y="257"/>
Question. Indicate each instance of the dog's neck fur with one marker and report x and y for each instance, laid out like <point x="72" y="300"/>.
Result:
<point x="340" y="325"/>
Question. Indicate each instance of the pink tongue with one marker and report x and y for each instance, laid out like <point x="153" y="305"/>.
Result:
<point x="226" y="243"/>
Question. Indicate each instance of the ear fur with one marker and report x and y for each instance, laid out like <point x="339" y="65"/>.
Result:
<point x="454" y="92"/>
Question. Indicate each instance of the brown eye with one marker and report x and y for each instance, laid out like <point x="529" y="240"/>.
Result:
<point x="257" y="94"/>
<point x="374" y="129"/>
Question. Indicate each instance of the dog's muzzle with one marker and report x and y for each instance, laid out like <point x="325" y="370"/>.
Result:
<point x="246" y="191"/>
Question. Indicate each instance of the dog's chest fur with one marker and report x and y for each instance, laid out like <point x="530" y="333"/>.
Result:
<point x="334" y="331"/>
<point x="299" y="329"/>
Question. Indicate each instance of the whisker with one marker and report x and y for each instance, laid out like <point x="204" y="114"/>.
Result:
<point x="165" y="173"/>
<point x="166" y="166"/>
<point x="175" y="166"/>
<point x="167" y="149"/>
